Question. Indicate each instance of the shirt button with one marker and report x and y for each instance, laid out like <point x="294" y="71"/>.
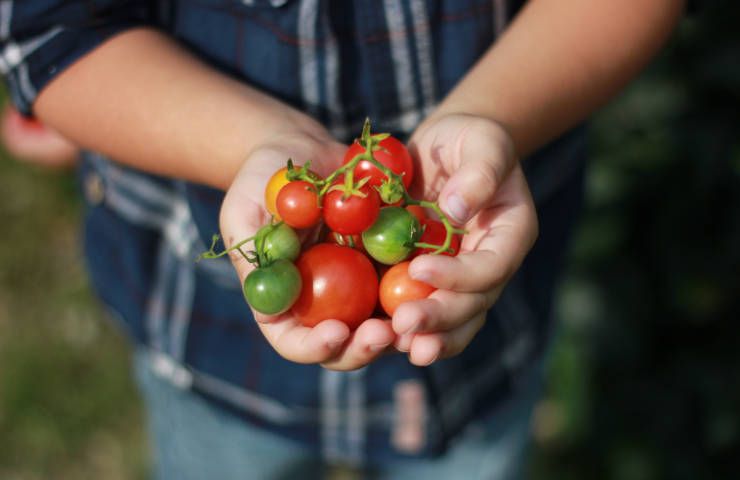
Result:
<point x="13" y="55"/>
<point x="94" y="189"/>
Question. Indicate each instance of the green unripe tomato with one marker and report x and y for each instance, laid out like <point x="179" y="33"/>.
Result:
<point x="273" y="289"/>
<point x="280" y="242"/>
<point x="391" y="238"/>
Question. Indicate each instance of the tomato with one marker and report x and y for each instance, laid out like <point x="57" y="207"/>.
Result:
<point x="395" y="156"/>
<point x="338" y="283"/>
<point x="274" y="184"/>
<point x="435" y="233"/>
<point x="354" y="241"/>
<point x="397" y="287"/>
<point x="280" y="242"/>
<point x="278" y="180"/>
<point x="417" y="211"/>
<point x="391" y="238"/>
<point x="298" y="204"/>
<point x="353" y="214"/>
<point x="274" y="288"/>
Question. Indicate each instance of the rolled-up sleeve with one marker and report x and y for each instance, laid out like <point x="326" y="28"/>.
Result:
<point x="40" y="38"/>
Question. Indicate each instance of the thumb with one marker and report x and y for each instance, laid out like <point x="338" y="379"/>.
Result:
<point x="485" y="158"/>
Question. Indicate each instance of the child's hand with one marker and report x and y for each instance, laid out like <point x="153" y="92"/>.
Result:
<point x="469" y="164"/>
<point x="35" y="143"/>
<point x="243" y="213"/>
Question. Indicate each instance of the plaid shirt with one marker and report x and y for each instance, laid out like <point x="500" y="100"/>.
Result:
<point x="340" y="61"/>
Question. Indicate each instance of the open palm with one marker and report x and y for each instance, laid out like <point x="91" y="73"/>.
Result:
<point x="330" y="342"/>
<point x="468" y="164"/>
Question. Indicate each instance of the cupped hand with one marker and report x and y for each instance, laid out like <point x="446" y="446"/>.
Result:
<point x="243" y="212"/>
<point x="469" y="165"/>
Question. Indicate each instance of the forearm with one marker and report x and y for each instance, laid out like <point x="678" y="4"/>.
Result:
<point x="143" y="100"/>
<point x="558" y="62"/>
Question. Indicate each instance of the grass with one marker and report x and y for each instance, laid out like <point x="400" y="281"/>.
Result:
<point x="68" y="407"/>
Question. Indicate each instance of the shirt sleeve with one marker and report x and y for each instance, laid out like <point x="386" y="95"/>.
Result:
<point x="41" y="38"/>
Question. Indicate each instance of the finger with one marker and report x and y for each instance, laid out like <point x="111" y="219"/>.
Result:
<point x="240" y="218"/>
<point x="443" y="310"/>
<point x="426" y="348"/>
<point x="470" y="271"/>
<point x="301" y="344"/>
<point x="482" y="159"/>
<point x="495" y="246"/>
<point x="365" y="344"/>
<point x="403" y="342"/>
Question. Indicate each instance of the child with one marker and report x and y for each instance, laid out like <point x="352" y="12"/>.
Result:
<point x="191" y="98"/>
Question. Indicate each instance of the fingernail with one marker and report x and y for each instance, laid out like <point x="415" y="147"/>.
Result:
<point x="457" y="208"/>
<point x="263" y="318"/>
<point x="429" y="362"/>
<point x="404" y="342"/>
<point x="406" y="326"/>
<point x="333" y="342"/>
<point x="379" y="347"/>
<point x="420" y="274"/>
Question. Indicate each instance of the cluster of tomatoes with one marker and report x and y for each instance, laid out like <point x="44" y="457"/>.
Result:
<point x="371" y="229"/>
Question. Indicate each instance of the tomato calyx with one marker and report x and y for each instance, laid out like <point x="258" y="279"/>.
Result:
<point x="391" y="191"/>
<point x="349" y="188"/>
<point x="301" y="172"/>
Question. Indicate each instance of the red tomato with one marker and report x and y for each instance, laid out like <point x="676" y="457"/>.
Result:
<point x="395" y="156"/>
<point x="351" y="215"/>
<point x="273" y="187"/>
<point x="354" y="241"/>
<point x="434" y="233"/>
<point x="298" y="204"/>
<point x="418" y="211"/>
<point x="398" y="287"/>
<point x="338" y="283"/>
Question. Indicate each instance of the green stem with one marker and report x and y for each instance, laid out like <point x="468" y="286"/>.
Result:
<point x="212" y="254"/>
<point x="367" y="141"/>
<point x="328" y="181"/>
<point x="409" y="200"/>
<point x="449" y="228"/>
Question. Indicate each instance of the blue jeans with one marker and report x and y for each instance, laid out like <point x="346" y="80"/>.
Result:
<point x="195" y="439"/>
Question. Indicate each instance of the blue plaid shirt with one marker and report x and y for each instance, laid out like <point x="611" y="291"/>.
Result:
<point x="340" y="61"/>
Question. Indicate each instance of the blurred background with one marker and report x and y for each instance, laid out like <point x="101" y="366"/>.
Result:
<point x="644" y="380"/>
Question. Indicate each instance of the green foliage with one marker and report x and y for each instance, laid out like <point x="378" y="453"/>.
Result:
<point x="67" y="403"/>
<point x="649" y="352"/>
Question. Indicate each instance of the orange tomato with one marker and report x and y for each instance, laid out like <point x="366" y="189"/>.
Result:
<point x="276" y="182"/>
<point x="397" y="287"/>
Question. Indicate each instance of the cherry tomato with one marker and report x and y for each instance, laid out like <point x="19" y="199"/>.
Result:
<point x="298" y="204"/>
<point x="354" y="241"/>
<point x="338" y="283"/>
<point x="391" y="238"/>
<point x="435" y="233"/>
<point x="395" y="156"/>
<point x="280" y="242"/>
<point x="417" y="211"/>
<point x="278" y="180"/>
<point x="397" y="287"/>
<point x="274" y="184"/>
<point x="274" y="288"/>
<point x="351" y="215"/>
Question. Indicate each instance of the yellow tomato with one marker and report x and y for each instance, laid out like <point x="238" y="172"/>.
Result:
<point x="276" y="182"/>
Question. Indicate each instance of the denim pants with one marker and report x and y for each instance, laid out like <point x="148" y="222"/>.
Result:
<point x="193" y="438"/>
